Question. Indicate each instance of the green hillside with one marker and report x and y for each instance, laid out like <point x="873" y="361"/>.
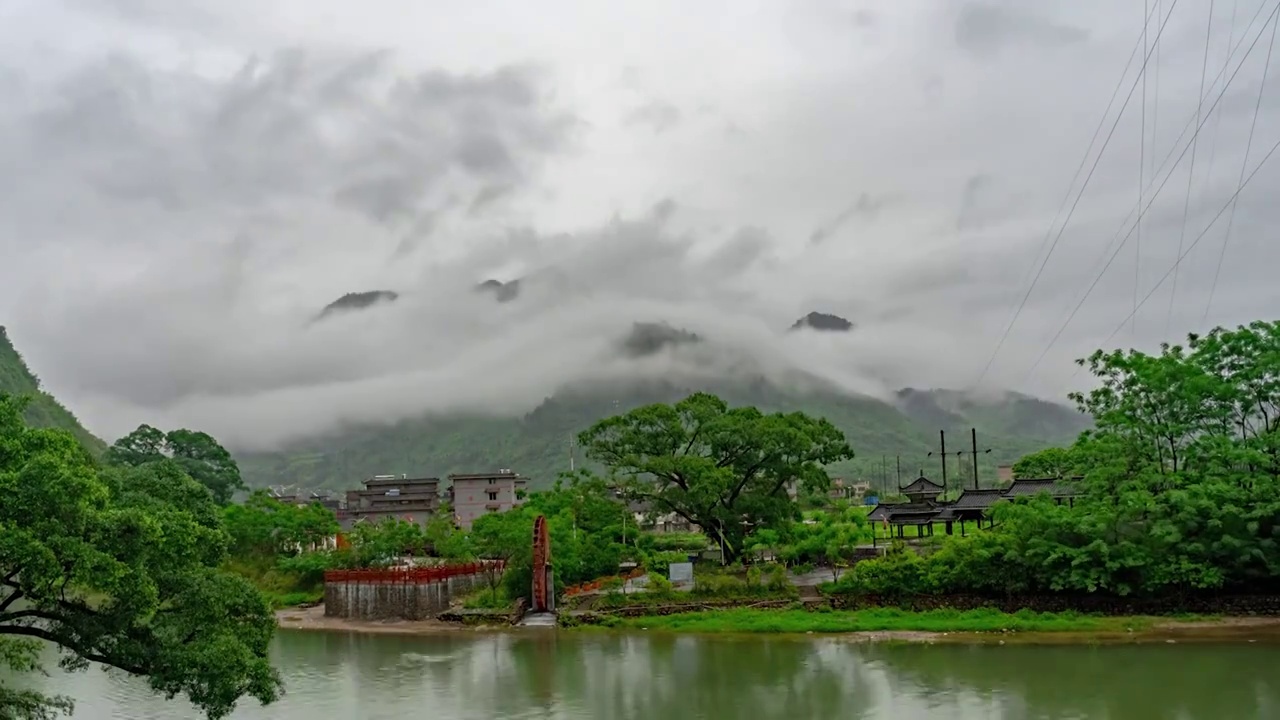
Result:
<point x="43" y="410"/>
<point x="537" y="445"/>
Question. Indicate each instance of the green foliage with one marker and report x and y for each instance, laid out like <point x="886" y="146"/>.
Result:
<point x="751" y="620"/>
<point x="490" y="598"/>
<point x="197" y="453"/>
<point x="1181" y="489"/>
<point x="726" y="586"/>
<point x="42" y="409"/>
<point x="1012" y="426"/>
<point x="263" y="527"/>
<point x="120" y="566"/>
<point x="1048" y="463"/>
<point x="724" y="469"/>
<point x="831" y="540"/>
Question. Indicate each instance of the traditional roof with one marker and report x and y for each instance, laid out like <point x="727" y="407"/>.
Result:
<point x="922" y="486"/>
<point x="882" y="510"/>
<point x="977" y="499"/>
<point x="1056" y="487"/>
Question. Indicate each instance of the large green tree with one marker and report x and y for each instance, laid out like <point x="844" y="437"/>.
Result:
<point x="120" y="566"/>
<point x="197" y="453"/>
<point x="724" y="469"/>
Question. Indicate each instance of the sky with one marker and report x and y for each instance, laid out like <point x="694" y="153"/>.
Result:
<point x="184" y="185"/>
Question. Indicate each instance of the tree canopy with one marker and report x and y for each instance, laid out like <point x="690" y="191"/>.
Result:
<point x="120" y="566"/>
<point x="1181" y="488"/>
<point x="724" y="469"/>
<point x="197" y="453"/>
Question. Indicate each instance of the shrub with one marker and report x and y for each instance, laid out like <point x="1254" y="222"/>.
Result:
<point x="900" y="572"/>
<point x="659" y="585"/>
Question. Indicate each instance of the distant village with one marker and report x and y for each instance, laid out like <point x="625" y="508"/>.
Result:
<point x="471" y="495"/>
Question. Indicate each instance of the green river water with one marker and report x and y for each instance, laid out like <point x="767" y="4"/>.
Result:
<point x="493" y="676"/>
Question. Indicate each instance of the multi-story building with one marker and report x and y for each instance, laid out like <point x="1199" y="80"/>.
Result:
<point x="474" y="494"/>
<point x="385" y="496"/>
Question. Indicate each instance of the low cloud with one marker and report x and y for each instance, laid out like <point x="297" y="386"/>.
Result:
<point x="178" y="213"/>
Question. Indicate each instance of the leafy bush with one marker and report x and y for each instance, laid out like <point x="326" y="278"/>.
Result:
<point x="488" y="599"/>
<point x="900" y="572"/>
<point x="659" y="585"/>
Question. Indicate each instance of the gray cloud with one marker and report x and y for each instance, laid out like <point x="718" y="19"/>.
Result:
<point x="176" y="215"/>
<point x="657" y="115"/>
<point x="986" y="28"/>
<point x="865" y="208"/>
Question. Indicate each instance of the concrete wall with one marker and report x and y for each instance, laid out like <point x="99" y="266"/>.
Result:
<point x="396" y="601"/>
<point x="471" y="498"/>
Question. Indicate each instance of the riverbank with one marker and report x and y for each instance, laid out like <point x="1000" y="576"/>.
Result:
<point x="878" y="625"/>
<point x="956" y="626"/>
<point x="313" y="619"/>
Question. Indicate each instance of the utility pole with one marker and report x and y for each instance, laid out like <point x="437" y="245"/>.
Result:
<point x="973" y="434"/>
<point x="942" y="438"/>
<point x="570" y="452"/>
<point x="898" y="458"/>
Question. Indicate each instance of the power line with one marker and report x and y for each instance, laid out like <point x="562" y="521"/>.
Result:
<point x="1204" y="232"/>
<point x="1151" y="201"/>
<point x="1231" y="219"/>
<point x="1191" y="173"/>
<point x="1142" y="162"/>
<point x="1141" y="73"/>
<point x="1103" y="257"/>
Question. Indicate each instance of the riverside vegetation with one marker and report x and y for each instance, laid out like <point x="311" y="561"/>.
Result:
<point x="138" y="560"/>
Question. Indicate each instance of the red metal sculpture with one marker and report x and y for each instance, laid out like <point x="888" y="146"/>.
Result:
<point x="543" y="600"/>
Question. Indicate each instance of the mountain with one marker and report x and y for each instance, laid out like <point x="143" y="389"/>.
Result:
<point x="822" y="321"/>
<point x="358" y="301"/>
<point x="538" y="445"/>
<point x="650" y="338"/>
<point x="504" y="292"/>
<point x="1006" y="414"/>
<point x="42" y="410"/>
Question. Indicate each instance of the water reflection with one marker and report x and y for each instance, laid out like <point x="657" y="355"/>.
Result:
<point x="578" y="676"/>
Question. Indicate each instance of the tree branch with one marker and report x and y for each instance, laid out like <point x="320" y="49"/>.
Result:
<point x="43" y="634"/>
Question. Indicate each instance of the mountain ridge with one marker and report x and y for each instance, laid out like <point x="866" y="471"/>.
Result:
<point x="43" y="410"/>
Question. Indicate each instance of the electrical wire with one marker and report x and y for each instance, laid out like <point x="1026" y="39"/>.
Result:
<point x="1231" y="219"/>
<point x="1141" y="72"/>
<point x="1191" y="173"/>
<point x="1199" y="237"/>
<point x="1200" y="126"/>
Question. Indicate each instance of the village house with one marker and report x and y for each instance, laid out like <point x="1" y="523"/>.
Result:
<point x="476" y="494"/>
<point x="391" y="496"/>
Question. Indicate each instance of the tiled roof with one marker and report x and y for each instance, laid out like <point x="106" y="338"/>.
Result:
<point x="881" y="510"/>
<point x="922" y="485"/>
<point x="1056" y="487"/>
<point x="977" y="499"/>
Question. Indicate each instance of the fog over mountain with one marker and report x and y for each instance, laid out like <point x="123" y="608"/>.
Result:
<point x="185" y="187"/>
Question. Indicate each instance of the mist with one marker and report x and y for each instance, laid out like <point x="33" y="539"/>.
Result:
<point x="185" y="189"/>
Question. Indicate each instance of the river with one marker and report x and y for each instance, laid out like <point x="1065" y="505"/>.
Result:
<point x="491" y="676"/>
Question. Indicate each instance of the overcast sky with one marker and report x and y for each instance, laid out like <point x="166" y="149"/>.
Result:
<point x="185" y="183"/>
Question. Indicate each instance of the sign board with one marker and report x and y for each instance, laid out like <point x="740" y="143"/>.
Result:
<point x="870" y="500"/>
<point x="680" y="572"/>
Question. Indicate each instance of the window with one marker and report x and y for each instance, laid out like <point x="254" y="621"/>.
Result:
<point x="493" y="494"/>
<point x="492" y="480"/>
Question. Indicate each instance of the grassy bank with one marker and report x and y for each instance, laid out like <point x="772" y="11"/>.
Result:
<point x="748" y="620"/>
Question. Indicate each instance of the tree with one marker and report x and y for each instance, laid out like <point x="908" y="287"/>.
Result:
<point x="726" y="470"/>
<point x="264" y="528"/>
<point x="1048" y="463"/>
<point x="198" y="454"/>
<point x="120" y="566"/>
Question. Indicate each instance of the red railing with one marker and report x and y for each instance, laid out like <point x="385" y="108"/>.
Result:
<point x="410" y="576"/>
